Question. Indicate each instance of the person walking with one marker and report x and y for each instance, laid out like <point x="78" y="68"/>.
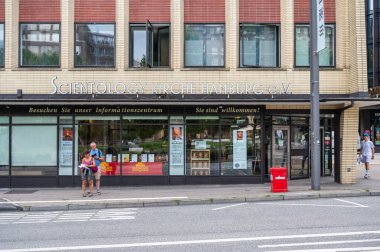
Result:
<point x="87" y="174"/>
<point x="367" y="152"/>
<point x="98" y="157"/>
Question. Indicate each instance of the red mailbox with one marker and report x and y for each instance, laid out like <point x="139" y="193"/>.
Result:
<point x="279" y="179"/>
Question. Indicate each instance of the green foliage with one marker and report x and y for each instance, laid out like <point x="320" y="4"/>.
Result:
<point x="45" y="59"/>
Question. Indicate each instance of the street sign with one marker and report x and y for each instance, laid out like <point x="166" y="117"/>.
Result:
<point x="321" y="25"/>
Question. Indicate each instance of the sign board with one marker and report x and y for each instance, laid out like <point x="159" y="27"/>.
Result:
<point x="320" y="26"/>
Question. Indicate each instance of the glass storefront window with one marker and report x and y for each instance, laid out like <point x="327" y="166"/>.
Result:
<point x="280" y="120"/>
<point x="34" y="120"/>
<point x="106" y="134"/>
<point x="258" y="45"/>
<point x="145" y="146"/>
<point x="302" y="47"/>
<point x="95" y="45"/>
<point x="4" y="119"/>
<point x="34" y="150"/>
<point x="202" y="149"/>
<point x="65" y="119"/>
<point x="1" y="45"/>
<point x="40" y="45"/>
<point x="4" y="150"/>
<point x="204" y="45"/>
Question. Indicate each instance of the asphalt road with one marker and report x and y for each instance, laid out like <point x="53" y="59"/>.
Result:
<point x="344" y="224"/>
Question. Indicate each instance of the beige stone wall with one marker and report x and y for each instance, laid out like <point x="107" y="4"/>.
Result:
<point x="349" y="76"/>
<point x="349" y="137"/>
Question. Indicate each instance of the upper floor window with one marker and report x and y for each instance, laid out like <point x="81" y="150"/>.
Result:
<point x="95" y="45"/>
<point x="302" y="44"/>
<point x="150" y="45"/>
<point x="204" y="45"/>
<point x="1" y="45"/>
<point x="40" y="45"/>
<point x="259" y="45"/>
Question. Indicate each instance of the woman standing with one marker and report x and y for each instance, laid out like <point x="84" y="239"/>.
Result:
<point x="87" y="174"/>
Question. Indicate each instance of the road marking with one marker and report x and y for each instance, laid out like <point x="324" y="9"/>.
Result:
<point x="219" y="208"/>
<point x="93" y="200"/>
<point x="317" y="243"/>
<point x="313" y="205"/>
<point x="191" y="242"/>
<point x="350" y="202"/>
<point x="335" y="250"/>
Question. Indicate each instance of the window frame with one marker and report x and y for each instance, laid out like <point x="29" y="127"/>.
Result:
<point x="3" y="65"/>
<point x="75" y="39"/>
<point x="20" y="45"/>
<point x="333" y="25"/>
<point x="278" y="43"/>
<point x="132" y="28"/>
<point x="224" y="44"/>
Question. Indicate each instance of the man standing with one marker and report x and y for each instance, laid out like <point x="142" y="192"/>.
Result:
<point x="367" y="151"/>
<point x="98" y="157"/>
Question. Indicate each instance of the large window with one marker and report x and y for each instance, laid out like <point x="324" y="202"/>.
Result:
<point x="204" y="45"/>
<point x="95" y="45"/>
<point x="40" y="45"/>
<point x="1" y="45"/>
<point x="34" y="147"/>
<point x="4" y="146"/>
<point x="326" y="56"/>
<point x="150" y="45"/>
<point x="259" y="46"/>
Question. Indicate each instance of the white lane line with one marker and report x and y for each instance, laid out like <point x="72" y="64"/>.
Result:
<point x="313" y="205"/>
<point x="350" y="202"/>
<point x="173" y="243"/>
<point x="335" y="250"/>
<point x="219" y="208"/>
<point x="93" y="200"/>
<point x="317" y="243"/>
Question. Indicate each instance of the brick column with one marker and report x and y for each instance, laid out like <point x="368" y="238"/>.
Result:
<point x="177" y="34"/>
<point x="287" y="34"/>
<point x="11" y="34"/>
<point x="232" y="34"/>
<point x="122" y="35"/>
<point x="67" y="34"/>
<point x="349" y="122"/>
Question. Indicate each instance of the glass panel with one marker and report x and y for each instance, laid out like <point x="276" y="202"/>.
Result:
<point x="258" y="46"/>
<point x="95" y="45"/>
<point x="201" y="119"/>
<point x="4" y="119"/>
<point x="202" y="150"/>
<point x="139" y="47"/>
<point x="40" y="44"/>
<point x="163" y="48"/>
<point x="145" y="119"/>
<point x="283" y="120"/>
<point x="280" y="149"/>
<point x="66" y="136"/>
<point x="34" y="146"/>
<point x="300" y="151"/>
<point x="204" y="45"/>
<point x="4" y="150"/>
<point x="326" y="56"/>
<point x="95" y="119"/>
<point x="176" y="119"/>
<point x="145" y="150"/>
<point x="107" y="139"/>
<point x="1" y="44"/>
<point x="302" y="45"/>
<point x="65" y="119"/>
<point x="34" y="119"/>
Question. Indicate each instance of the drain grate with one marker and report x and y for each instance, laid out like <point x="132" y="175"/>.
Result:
<point x="20" y="191"/>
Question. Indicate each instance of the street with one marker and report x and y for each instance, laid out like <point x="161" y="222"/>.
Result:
<point x="334" y="224"/>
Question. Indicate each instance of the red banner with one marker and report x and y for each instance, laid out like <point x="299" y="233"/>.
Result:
<point x="129" y="168"/>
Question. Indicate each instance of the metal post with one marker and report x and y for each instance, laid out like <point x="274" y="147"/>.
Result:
<point x="314" y="100"/>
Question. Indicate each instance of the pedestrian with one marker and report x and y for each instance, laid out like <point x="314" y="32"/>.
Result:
<point x="87" y="174"/>
<point x="98" y="157"/>
<point x="367" y="152"/>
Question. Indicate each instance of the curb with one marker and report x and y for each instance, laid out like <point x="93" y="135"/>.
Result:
<point x="187" y="202"/>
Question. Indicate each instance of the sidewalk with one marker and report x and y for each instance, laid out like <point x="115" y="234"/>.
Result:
<point x="38" y="199"/>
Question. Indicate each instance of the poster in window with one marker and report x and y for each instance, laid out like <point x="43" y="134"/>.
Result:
<point x="240" y="149"/>
<point x="377" y="135"/>
<point x="176" y="150"/>
<point x="66" y="146"/>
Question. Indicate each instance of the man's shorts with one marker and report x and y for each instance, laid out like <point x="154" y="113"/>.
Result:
<point x="366" y="158"/>
<point x="97" y="174"/>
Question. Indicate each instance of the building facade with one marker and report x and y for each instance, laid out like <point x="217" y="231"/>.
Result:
<point x="176" y="91"/>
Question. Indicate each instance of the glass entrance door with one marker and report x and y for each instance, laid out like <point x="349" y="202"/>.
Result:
<point x="280" y="146"/>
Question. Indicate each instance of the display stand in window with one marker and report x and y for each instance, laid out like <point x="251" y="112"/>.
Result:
<point x="200" y="162"/>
